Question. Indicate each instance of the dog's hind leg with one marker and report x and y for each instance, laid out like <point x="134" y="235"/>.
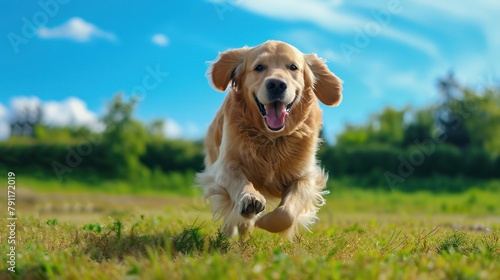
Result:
<point x="298" y="206"/>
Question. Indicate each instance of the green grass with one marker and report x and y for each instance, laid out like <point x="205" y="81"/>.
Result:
<point x="156" y="183"/>
<point x="471" y="202"/>
<point x="361" y="235"/>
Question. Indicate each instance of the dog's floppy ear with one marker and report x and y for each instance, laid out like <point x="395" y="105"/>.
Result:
<point x="327" y="86"/>
<point x="226" y="67"/>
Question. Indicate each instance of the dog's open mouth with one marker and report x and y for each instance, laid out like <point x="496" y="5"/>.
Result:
<point x="274" y="113"/>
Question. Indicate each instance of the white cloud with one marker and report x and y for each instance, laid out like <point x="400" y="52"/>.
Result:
<point x="3" y="112"/>
<point x="73" y="111"/>
<point x="330" y="56"/>
<point x="4" y="123"/>
<point x="193" y="131"/>
<point x="482" y="11"/>
<point x="334" y="17"/>
<point x="75" y="29"/>
<point x="69" y="112"/>
<point x="417" y="42"/>
<point x="471" y="67"/>
<point x="171" y="129"/>
<point x="338" y="17"/>
<point x="322" y="13"/>
<point x="23" y="105"/>
<point x="417" y="85"/>
<point x="309" y="41"/>
<point x="160" y="40"/>
<point x="403" y="79"/>
<point x="443" y="17"/>
<point x="415" y="25"/>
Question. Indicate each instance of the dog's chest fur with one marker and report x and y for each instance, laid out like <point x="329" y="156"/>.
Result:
<point x="284" y="160"/>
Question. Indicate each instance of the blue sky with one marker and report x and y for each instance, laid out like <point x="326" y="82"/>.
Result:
<point x="71" y="57"/>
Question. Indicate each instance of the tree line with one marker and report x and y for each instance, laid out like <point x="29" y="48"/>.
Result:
<point x="457" y="138"/>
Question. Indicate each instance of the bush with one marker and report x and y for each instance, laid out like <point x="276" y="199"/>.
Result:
<point x="86" y="158"/>
<point x="449" y="164"/>
<point x="173" y="155"/>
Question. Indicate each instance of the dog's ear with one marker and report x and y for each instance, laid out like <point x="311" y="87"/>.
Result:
<point x="226" y="68"/>
<point x="327" y="86"/>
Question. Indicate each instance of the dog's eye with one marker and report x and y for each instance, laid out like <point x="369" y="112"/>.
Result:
<point x="293" y="67"/>
<point x="259" y="68"/>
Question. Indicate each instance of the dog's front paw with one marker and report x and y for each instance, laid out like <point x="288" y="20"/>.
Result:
<point x="252" y="204"/>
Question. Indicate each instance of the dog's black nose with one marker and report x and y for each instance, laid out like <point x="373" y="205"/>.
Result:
<point x="276" y="88"/>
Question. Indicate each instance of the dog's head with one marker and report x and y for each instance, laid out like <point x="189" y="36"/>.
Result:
<point x="277" y="81"/>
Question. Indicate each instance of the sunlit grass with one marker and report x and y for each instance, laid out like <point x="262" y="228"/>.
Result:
<point x="361" y="234"/>
<point x="153" y="184"/>
<point x="147" y="249"/>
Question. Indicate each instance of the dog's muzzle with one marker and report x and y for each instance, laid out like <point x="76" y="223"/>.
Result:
<point x="274" y="113"/>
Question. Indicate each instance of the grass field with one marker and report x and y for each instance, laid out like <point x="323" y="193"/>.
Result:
<point x="361" y="235"/>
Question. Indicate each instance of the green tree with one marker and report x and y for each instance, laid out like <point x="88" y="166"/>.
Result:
<point x="479" y="114"/>
<point x="449" y="120"/>
<point x="65" y="134"/>
<point x="420" y="127"/>
<point x="156" y="128"/>
<point x="25" y="120"/>
<point x="124" y="139"/>
<point x="386" y="128"/>
<point x="354" y="135"/>
<point x="390" y="126"/>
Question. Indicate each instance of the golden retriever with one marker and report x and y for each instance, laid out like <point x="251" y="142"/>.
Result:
<point x="262" y="143"/>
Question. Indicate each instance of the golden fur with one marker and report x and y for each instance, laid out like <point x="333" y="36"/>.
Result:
<point x="251" y="158"/>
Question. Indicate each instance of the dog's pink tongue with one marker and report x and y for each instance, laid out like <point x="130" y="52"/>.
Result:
<point x="275" y="115"/>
